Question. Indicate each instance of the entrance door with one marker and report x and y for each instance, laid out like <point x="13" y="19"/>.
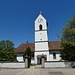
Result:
<point x="39" y="61"/>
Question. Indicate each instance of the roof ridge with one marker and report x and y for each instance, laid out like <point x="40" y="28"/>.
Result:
<point x="54" y="41"/>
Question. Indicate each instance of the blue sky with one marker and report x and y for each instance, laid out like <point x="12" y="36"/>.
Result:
<point x="17" y="18"/>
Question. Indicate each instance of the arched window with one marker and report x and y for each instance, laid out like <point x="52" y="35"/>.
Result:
<point x="54" y="55"/>
<point x="40" y="27"/>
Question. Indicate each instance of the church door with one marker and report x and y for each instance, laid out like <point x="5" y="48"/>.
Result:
<point x="39" y="61"/>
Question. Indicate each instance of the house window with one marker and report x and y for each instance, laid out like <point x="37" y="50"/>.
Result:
<point x="40" y="27"/>
<point x="54" y="55"/>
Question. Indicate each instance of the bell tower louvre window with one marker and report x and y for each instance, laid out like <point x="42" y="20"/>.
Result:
<point x="40" y="27"/>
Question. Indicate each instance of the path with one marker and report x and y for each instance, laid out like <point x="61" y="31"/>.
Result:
<point x="38" y="71"/>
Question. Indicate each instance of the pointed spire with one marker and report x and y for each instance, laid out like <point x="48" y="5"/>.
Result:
<point x="40" y="12"/>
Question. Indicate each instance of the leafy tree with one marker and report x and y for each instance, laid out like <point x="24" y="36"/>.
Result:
<point x="68" y="41"/>
<point x="28" y="53"/>
<point x="6" y="44"/>
<point x="3" y="55"/>
<point x="7" y="51"/>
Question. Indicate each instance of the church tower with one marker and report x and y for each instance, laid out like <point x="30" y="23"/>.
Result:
<point x="41" y="39"/>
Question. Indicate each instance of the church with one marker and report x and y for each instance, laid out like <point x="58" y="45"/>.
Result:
<point x="42" y="46"/>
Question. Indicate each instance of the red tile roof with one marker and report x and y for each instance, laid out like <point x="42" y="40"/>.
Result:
<point x="54" y="45"/>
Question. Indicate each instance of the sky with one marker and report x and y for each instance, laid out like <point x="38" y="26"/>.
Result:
<point x="17" y="18"/>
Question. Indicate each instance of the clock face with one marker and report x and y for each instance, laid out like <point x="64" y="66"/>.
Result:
<point x="40" y="20"/>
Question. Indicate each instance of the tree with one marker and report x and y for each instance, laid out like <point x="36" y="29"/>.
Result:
<point x="28" y="53"/>
<point x="7" y="51"/>
<point x="68" y="41"/>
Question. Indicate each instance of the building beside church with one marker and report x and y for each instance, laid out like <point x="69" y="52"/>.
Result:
<point x="50" y="49"/>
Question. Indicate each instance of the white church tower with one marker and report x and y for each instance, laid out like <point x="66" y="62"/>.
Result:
<point x="41" y="39"/>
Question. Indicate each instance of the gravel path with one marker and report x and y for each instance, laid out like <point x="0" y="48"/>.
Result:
<point x="29" y="72"/>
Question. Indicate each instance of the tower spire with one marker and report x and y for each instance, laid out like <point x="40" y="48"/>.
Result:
<point x="40" y="12"/>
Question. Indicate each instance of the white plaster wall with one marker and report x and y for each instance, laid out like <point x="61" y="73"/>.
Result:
<point x="20" y="57"/>
<point x="58" y="58"/>
<point x="12" y="65"/>
<point x="41" y="35"/>
<point x="32" y="62"/>
<point x="58" y="64"/>
<point x="41" y="46"/>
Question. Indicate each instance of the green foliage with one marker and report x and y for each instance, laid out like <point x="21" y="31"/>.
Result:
<point x="7" y="51"/>
<point x="68" y="52"/>
<point x="28" y="53"/>
<point x="6" y="44"/>
<point x="68" y="41"/>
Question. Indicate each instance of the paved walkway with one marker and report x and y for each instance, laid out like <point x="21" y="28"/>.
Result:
<point x="57" y="71"/>
<point x="29" y="72"/>
<point x="51" y="71"/>
<point x="38" y="71"/>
